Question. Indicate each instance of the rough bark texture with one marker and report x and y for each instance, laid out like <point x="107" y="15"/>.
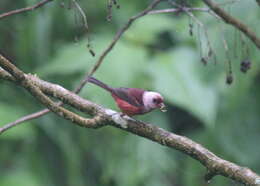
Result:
<point x="214" y="164"/>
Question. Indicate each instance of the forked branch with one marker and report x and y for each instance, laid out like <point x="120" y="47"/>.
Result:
<point x="94" y="68"/>
<point x="214" y="164"/>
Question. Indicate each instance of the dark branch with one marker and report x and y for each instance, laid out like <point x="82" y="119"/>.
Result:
<point x="93" y="70"/>
<point x="214" y="164"/>
<point x="233" y="21"/>
<point x="26" y="9"/>
<point x="24" y="81"/>
<point x="114" y="41"/>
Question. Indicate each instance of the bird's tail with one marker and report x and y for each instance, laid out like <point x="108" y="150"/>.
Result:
<point x="100" y="84"/>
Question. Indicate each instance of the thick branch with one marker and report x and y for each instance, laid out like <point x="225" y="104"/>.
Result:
<point x="214" y="164"/>
<point x="95" y="67"/>
<point x="38" y="88"/>
<point x="233" y="21"/>
<point x="26" y="9"/>
<point x="22" y="79"/>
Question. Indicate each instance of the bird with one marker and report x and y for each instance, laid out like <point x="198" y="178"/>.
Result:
<point x="133" y="101"/>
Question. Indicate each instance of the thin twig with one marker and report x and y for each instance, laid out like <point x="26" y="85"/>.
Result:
<point x="93" y="70"/>
<point x="214" y="164"/>
<point x="82" y="13"/>
<point x="24" y="81"/>
<point x="26" y="9"/>
<point x="116" y="38"/>
<point x="234" y="22"/>
<point x="85" y="25"/>
<point x="109" y="10"/>
<point x="177" y="10"/>
<point x="227" y="54"/>
<point x="185" y="9"/>
<point x="23" y="119"/>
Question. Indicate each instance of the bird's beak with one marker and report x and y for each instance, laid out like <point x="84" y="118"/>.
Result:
<point x="163" y="107"/>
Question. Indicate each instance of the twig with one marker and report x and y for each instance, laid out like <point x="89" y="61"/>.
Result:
<point x="177" y="10"/>
<point x="93" y="70"/>
<point x="186" y="10"/>
<point x="82" y="13"/>
<point x="85" y="25"/>
<point x="234" y="22"/>
<point x="114" y="41"/>
<point x="109" y="10"/>
<point x="22" y="79"/>
<point x="26" y="9"/>
<point x="116" y="38"/>
<point x="229" y="78"/>
<point x="214" y="164"/>
<point x="23" y="119"/>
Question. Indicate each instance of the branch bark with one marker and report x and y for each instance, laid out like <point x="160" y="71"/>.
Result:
<point x="234" y="22"/>
<point x="214" y="164"/>
<point x="24" y="81"/>
<point x="102" y="116"/>
<point x="94" y="68"/>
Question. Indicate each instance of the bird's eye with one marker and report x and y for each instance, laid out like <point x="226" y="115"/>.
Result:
<point x="154" y="100"/>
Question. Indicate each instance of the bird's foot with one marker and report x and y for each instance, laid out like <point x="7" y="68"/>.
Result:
<point x="122" y="114"/>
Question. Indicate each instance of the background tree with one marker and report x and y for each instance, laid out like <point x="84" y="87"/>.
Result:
<point x="162" y="51"/>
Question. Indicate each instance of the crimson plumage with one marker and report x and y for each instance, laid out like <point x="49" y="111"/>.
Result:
<point x="132" y="101"/>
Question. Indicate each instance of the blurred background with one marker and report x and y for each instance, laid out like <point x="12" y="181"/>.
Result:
<point x="156" y="53"/>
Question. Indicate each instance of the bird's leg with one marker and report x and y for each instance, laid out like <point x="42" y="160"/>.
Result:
<point x="122" y="114"/>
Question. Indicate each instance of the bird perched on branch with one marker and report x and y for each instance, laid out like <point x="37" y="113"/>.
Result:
<point x="133" y="101"/>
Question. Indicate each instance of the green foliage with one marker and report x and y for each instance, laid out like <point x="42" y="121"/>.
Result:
<point x="186" y="88"/>
<point x="156" y="53"/>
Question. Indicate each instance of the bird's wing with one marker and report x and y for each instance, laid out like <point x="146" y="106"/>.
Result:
<point x="133" y="96"/>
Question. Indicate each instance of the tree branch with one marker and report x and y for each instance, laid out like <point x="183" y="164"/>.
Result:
<point x="23" y="80"/>
<point x="114" y="41"/>
<point x="210" y="51"/>
<point x="95" y="67"/>
<point x="214" y="164"/>
<point x="26" y="9"/>
<point x="233" y="21"/>
<point x="101" y="116"/>
<point x="177" y="10"/>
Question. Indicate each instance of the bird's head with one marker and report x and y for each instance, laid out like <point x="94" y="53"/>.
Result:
<point x="153" y="100"/>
